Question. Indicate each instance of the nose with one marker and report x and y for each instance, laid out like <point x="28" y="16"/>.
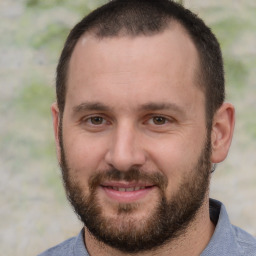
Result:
<point x="125" y="150"/>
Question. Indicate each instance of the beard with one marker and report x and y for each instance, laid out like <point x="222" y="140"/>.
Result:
<point x="168" y="220"/>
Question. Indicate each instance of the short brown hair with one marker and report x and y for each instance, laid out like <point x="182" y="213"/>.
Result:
<point x="145" y="17"/>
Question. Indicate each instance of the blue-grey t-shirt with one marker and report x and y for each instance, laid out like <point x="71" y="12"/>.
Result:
<point x="227" y="239"/>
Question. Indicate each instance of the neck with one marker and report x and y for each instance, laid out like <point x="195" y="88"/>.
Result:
<point x="191" y="243"/>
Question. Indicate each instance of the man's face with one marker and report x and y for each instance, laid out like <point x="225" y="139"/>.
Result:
<point x="134" y="146"/>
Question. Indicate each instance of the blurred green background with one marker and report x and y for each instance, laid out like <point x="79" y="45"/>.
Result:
<point x="34" y="213"/>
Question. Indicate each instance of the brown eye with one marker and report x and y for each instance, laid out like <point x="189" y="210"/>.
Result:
<point x="96" y="120"/>
<point x="159" y="120"/>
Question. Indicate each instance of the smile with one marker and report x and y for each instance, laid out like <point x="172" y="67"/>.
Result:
<point x="125" y="192"/>
<point x="131" y="189"/>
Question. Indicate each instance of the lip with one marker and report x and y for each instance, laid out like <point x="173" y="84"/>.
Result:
<point x="125" y="184"/>
<point x="127" y="196"/>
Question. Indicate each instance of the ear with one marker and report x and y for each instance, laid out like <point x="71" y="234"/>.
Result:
<point x="56" y="123"/>
<point x="222" y="132"/>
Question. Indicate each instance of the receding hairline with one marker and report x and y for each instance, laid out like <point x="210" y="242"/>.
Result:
<point x="124" y="33"/>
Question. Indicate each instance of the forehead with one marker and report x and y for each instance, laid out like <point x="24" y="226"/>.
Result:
<point x="141" y="64"/>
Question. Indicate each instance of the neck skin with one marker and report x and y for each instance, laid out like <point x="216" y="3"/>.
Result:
<point x="192" y="243"/>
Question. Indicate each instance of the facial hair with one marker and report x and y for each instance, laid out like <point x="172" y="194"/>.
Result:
<point x="169" y="219"/>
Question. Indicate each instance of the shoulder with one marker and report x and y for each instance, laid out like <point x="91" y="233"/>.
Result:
<point x="246" y="242"/>
<point x="63" y="249"/>
<point x="72" y="247"/>
<point x="228" y="239"/>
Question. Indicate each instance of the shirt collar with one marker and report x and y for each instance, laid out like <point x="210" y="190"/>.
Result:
<point x="223" y="241"/>
<point x="79" y="245"/>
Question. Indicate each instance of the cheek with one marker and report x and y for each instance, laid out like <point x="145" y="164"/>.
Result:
<point x="84" y="154"/>
<point x="169" y="159"/>
<point x="175" y="158"/>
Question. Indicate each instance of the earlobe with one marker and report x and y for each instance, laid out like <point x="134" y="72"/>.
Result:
<point x="56" y="123"/>
<point x="222" y="132"/>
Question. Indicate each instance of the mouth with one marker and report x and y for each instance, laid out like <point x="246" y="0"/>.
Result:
<point x="126" y="192"/>
<point x="122" y="189"/>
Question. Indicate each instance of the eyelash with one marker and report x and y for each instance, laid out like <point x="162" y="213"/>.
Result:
<point x="104" y="121"/>
<point x="90" y="118"/>
<point x="164" y="120"/>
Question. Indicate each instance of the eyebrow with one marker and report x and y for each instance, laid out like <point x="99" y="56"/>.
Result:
<point x="152" y="106"/>
<point x="90" y="106"/>
<point x="162" y="106"/>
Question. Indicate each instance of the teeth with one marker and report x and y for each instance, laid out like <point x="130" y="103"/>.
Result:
<point x="127" y="189"/>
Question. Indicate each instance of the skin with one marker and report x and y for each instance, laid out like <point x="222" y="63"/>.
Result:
<point x="129" y="86"/>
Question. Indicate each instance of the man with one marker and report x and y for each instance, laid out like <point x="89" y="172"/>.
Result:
<point x="140" y="122"/>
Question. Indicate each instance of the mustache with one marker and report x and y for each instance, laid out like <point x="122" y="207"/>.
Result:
<point x="133" y="174"/>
